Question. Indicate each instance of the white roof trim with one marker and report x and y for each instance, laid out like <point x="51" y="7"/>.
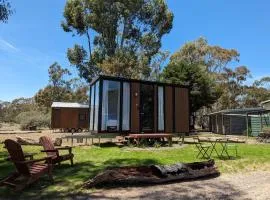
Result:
<point x="263" y="102"/>
<point x="68" y="105"/>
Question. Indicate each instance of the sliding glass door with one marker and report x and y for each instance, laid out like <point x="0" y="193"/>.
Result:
<point x="147" y="108"/>
<point x="115" y="98"/>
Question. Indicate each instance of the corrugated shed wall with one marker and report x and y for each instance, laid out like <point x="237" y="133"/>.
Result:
<point x="219" y="123"/>
<point x="255" y="125"/>
<point x="238" y="124"/>
<point x="227" y="124"/>
<point x="266" y="120"/>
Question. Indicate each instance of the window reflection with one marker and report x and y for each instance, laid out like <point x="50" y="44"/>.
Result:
<point x="126" y="106"/>
<point x="96" y="106"/>
<point x="160" y="108"/>
<point x="92" y="107"/>
<point x="110" y="105"/>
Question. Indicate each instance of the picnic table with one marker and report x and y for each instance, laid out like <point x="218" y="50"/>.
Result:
<point x="138" y="137"/>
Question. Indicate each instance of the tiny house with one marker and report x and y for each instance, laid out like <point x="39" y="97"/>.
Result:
<point x="72" y="117"/>
<point x="123" y="105"/>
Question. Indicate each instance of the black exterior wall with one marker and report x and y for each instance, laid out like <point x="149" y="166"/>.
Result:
<point x="155" y="84"/>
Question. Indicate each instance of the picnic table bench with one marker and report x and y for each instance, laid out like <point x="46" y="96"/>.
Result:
<point x="138" y="137"/>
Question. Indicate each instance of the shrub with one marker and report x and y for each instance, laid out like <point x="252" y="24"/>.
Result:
<point x="33" y="118"/>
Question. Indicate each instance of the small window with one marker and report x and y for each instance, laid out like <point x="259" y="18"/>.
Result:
<point x="82" y="117"/>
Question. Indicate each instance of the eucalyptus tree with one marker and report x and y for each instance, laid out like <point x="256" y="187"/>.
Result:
<point x="199" y="51"/>
<point x="5" y="10"/>
<point x="122" y="35"/>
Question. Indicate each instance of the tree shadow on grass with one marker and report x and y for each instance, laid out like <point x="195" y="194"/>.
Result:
<point x="5" y="166"/>
<point x="129" y="162"/>
<point x="68" y="179"/>
<point x="108" y="145"/>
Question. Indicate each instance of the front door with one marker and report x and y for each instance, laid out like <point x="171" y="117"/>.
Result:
<point x="146" y="108"/>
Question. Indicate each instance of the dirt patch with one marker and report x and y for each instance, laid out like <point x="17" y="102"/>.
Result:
<point x="31" y="135"/>
<point x="254" y="185"/>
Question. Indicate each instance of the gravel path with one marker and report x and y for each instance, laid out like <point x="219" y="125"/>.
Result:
<point x="253" y="185"/>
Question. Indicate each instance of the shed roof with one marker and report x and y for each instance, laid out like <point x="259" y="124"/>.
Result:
<point x="239" y="110"/>
<point x="68" y="105"/>
<point x="264" y="102"/>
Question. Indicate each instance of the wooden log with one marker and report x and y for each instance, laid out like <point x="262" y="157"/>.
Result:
<point x="153" y="174"/>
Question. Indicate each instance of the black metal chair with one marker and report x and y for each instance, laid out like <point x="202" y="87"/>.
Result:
<point x="202" y="147"/>
<point x="228" y="146"/>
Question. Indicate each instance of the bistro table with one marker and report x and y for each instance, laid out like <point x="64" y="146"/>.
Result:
<point x="223" y="141"/>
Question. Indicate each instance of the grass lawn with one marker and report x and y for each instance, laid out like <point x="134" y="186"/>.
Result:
<point x="91" y="160"/>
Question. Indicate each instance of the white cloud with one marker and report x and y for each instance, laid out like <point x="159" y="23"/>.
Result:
<point x="6" y="46"/>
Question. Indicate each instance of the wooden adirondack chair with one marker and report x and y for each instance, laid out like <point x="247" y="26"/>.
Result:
<point x="49" y="148"/>
<point x="27" y="171"/>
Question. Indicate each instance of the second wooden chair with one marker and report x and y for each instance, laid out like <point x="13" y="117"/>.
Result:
<point x="49" y="148"/>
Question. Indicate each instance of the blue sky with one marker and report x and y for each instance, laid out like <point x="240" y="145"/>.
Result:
<point x="33" y="38"/>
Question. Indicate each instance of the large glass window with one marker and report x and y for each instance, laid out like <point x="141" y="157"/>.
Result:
<point x="126" y="106"/>
<point x="96" y="106"/>
<point x="160" y="108"/>
<point x="110" y="105"/>
<point x="92" y="107"/>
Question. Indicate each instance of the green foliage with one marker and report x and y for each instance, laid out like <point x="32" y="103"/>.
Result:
<point x="44" y="97"/>
<point x="263" y="82"/>
<point x="199" y="64"/>
<point x="11" y="110"/>
<point x="131" y="29"/>
<point x="203" y="89"/>
<point x="61" y="88"/>
<point x="157" y="62"/>
<point x="215" y="58"/>
<point x="123" y="64"/>
<point x="33" y="118"/>
<point x="5" y="10"/>
<point x="56" y="75"/>
<point x="232" y="84"/>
